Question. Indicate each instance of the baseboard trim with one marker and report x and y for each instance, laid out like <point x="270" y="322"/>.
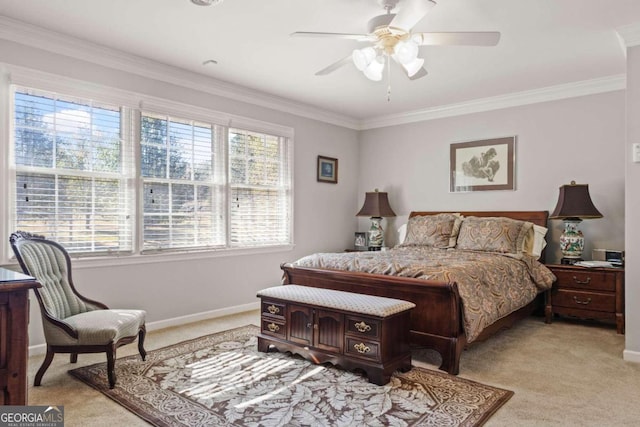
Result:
<point x="631" y="356"/>
<point x="41" y="349"/>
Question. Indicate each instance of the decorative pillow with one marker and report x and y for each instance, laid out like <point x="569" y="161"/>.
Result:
<point x="493" y="234"/>
<point x="438" y="231"/>
<point x="402" y="233"/>
<point x="534" y="241"/>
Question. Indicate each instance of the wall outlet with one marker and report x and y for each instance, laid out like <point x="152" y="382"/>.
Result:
<point x="635" y="152"/>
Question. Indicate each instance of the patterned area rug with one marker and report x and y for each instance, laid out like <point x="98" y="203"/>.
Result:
<point x="222" y="379"/>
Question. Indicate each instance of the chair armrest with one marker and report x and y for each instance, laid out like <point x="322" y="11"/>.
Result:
<point x="60" y="324"/>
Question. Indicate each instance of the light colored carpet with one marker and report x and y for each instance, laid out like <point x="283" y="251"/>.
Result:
<point x="563" y="374"/>
<point x="222" y="379"/>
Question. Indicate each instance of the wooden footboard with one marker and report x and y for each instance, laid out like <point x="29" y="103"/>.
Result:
<point x="436" y="322"/>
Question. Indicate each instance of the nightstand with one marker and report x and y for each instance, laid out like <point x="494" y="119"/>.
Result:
<point x="587" y="293"/>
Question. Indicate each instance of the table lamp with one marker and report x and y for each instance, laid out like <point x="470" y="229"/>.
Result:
<point x="376" y="206"/>
<point x="574" y="205"/>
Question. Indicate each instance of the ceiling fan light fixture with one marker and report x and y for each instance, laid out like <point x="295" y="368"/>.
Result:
<point x="375" y="69"/>
<point x="362" y="58"/>
<point x="413" y="67"/>
<point x="405" y="51"/>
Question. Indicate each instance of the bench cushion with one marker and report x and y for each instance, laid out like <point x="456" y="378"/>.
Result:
<point x="339" y="300"/>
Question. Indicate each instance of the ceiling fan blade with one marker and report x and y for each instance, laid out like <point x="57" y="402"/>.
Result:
<point x="410" y="13"/>
<point x="358" y="37"/>
<point x="481" y="38"/>
<point x="331" y="68"/>
<point x="421" y="73"/>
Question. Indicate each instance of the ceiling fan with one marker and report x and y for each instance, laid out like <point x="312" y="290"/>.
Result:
<point x="390" y="36"/>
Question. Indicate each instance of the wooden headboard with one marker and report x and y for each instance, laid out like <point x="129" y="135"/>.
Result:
<point x="537" y="217"/>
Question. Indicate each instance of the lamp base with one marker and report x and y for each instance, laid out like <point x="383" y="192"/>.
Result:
<point x="376" y="234"/>
<point x="572" y="240"/>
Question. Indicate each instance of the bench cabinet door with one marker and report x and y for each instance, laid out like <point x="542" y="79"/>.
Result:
<point x="329" y="332"/>
<point x="300" y="324"/>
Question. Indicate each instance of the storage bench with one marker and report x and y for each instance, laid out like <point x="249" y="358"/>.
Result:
<point x="353" y="331"/>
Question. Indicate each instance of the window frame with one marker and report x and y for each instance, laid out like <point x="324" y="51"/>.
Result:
<point x="134" y="104"/>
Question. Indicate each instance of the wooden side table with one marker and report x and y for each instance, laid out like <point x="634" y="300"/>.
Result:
<point x="14" y="335"/>
<point x="587" y="293"/>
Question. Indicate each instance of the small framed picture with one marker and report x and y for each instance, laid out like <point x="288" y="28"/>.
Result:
<point x="327" y="170"/>
<point x="360" y="241"/>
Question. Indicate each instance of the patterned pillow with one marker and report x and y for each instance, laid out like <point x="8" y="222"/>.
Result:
<point x="438" y="231"/>
<point x="493" y="234"/>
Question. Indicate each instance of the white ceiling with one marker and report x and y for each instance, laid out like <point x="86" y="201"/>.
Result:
<point x="544" y="43"/>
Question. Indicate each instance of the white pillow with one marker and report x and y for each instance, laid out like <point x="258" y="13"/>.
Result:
<point x="534" y="242"/>
<point x="402" y="233"/>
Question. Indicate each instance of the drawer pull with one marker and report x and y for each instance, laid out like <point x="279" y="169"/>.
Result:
<point x="361" y="348"/>
<point x="362" y="327"/>
<point x="582" y="282"/>
<point x="585" y="302"/>
<point x="273" y="327"/>
<point x="273" y="309"/>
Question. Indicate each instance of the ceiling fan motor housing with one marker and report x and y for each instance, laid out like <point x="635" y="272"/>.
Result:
<point x="388" y="4"/>
<point x="379" y="21"/>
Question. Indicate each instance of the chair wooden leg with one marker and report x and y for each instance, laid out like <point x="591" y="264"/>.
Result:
<point x="45" y="365"/>
<point x="141" y="334"/>
<point x="73" y="358"/>
<point x="111" y="364"/>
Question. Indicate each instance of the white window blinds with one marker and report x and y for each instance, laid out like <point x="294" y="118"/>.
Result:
<point x="72" y="171"/>
<point x="104" y="179"/>
<point x="182" y="167"/>
<point x="260" y="186"/>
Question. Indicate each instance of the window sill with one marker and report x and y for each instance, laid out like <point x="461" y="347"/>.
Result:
<point x="135" y="259"/>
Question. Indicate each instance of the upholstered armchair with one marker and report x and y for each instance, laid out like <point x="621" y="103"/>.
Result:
<point x="72" y="323"/>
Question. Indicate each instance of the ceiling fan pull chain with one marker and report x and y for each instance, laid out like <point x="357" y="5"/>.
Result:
<point x="388" y="78"/>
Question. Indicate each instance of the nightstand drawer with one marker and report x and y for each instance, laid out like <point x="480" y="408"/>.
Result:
<point x="584" y="300"/>
<point x="588" y="279"/>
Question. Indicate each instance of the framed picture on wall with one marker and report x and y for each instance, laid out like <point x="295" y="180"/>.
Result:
<point x="483" y="165"/>
<point x="327" y="169"/>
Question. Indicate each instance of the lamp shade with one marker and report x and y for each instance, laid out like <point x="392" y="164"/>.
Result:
<point x="376" y="205"/>
<point x="574" y="201"/>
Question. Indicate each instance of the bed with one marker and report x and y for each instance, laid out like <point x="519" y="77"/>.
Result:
<point x="456" y="291"/>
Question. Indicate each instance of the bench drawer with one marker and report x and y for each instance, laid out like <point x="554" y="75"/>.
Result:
<point x="362" y="348"/>
<point x="274" y="309"/>
<point x="363" y="327"/>
<point x="274" y="328"/>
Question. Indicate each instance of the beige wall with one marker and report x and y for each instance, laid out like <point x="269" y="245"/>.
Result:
<point x="579" y="139"/>
<point x="632" y="226"/>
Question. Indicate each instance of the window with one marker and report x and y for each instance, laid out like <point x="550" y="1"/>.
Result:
<point x="103" y="179"/>
<point x="260" y="188"/>
<point x="71" y="175"/>
<point x="182" y="167"/>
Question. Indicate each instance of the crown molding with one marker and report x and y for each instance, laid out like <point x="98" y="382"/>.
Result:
<point x="630" y="34"/>
<point x="40" y="38"/>
<point x="37" y="37"/>
<point x="550" y="93"/>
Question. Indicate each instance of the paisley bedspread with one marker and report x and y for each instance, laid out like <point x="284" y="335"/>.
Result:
<point x="491" y="285"/>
